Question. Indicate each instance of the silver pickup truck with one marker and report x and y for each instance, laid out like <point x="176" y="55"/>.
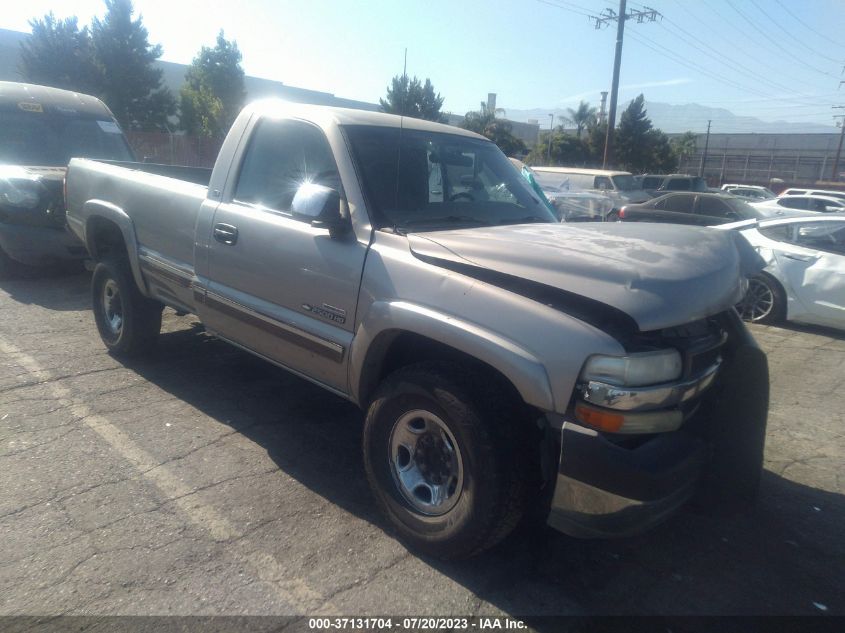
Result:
<point x="507" y="363"/>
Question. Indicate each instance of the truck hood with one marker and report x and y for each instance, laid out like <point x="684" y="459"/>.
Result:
<point x="659" y="275"/>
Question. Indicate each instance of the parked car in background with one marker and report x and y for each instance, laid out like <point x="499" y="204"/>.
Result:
<point x="41" y="129"/>
<point x="619" y="186"/>
<point x="804" y="278"/>
<point x="568" y="206"/>
<point x="582" y="206"/>
<point x="830" y="193"/>
<point x="656" y="184"/>
<point x="754" y="193"/>
<point x="818" y="204"/>
<point x="702" y="209"/>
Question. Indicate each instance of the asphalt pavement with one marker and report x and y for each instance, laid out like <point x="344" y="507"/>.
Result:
<point x="203" y="481"/>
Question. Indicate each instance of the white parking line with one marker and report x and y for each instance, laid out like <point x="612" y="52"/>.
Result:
<point x="294" y="591"/>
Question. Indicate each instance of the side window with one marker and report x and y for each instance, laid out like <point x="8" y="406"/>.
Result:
<point x="660" y="204"/>
<point x="822" y="236"/>
<point x="282" y="156"/>
<point x="793" y="203"/>
<point x="603" y="183"/>
<point x="678" y="184"/>
<point x="714" y="207"/>
<point x="680" y="204"/>
<point x="778" y="233"/>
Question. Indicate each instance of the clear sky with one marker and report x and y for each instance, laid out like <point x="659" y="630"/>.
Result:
<point x="773" y="59"/>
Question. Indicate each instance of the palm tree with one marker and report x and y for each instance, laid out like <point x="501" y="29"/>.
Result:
<point x="584" y="117"/>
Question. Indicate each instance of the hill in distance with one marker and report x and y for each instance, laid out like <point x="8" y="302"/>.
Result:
<point x="690" y="116"/>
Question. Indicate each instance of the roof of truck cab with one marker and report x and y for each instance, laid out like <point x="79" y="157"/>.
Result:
<point x="350" y="116"/>
<point x="29" y="96"/>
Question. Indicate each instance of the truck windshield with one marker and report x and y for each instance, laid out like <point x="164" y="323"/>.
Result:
<point x="46" y="139"/>
<point x="425" y="181"/>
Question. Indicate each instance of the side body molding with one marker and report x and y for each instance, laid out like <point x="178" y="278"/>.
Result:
<point x="385" y="319"/>
<point x="93" y="210"/>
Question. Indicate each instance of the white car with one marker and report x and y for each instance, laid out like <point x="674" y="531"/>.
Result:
<point x="830" y="193"/>
<point x="804" y="277"/>
<point x="752" y="193"/>
<point x="819" y="204"/>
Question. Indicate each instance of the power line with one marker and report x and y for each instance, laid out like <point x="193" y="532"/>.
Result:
<point x="718" y="32"/>
<point x="807" y="26"/>
<point x="565" y="6"/>
<point x="733" y="65"/>
<point x="801" y="42"/>
<point x="769" y="39"/>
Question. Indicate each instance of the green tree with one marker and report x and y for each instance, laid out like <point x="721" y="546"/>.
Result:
<point x="584" y="117"/>
<point x="484" y="121"/>
<point x="662" y="156"/>
<point x="213" y="93"/>
<point x="131" y="84"/>
<point x="639" y="146"/>
<point x="632" y="149"/>
<point x="409" y="97"/>
<point x="565" y="150"/>
<point x="596" y="136"/>
<point x="685" y="145"/>
<point x="59" y="54"/>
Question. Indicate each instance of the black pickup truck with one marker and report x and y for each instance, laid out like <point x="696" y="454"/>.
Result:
<point x="41" y="129"/>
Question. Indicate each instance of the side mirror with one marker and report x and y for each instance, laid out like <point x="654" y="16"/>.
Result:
<point x="322" y="206"/>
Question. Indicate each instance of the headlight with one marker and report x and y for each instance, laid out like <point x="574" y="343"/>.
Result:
<point x="635" y="370"/>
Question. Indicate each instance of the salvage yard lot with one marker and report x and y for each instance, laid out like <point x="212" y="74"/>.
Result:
<point x="203" y="481"/>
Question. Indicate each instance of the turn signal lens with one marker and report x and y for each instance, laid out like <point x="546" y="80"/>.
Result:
<point x="610" y="422"/>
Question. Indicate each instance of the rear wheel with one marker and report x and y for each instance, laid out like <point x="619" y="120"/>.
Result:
<point x="445" y="461"/>
<point x="764" y="302"/>
<point x="128" y="322"/>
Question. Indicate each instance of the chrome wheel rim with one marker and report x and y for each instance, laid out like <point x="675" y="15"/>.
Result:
<point x="758" y="301"/>
<point x="112" y="307"/>
<point x="426" y="463"/>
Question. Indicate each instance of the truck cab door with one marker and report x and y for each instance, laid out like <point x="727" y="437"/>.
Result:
<point x="277" y="285"/>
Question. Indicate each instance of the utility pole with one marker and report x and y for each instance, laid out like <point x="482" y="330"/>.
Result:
<point x="706" y="145"/>
<point x="835" y="174"/>
<point x="607" y="16"/>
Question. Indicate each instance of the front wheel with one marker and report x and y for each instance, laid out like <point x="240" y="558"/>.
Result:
<point x="128" y="322"/>
<point x="445" y="466"/>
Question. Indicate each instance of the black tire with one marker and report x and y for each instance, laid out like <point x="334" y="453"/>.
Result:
<point x="764" y="302"/>
<point x="491" y="443"/>
<point x="139" y="318"/>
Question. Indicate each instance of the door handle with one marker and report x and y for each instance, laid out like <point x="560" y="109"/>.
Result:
<point x="225" y="233"/>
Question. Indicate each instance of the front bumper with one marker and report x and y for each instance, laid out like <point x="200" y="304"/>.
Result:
<point x="610" y="485"/>
<point x="40" y="245"/>
<point x="605" y="490"/>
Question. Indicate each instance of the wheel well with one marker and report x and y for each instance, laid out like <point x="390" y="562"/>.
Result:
<point x="105" y="238"/>
<point x="393" y="350"/>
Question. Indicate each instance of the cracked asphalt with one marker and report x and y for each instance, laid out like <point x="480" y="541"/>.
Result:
<point x="203" y="481"/>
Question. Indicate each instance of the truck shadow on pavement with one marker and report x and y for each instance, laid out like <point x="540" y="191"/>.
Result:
<point x="55" y="289"/>
<point x="785" y="556"/>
